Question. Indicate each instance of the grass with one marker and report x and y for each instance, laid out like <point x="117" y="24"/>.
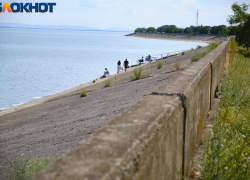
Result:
<point x="137" y="73"/>
<point x="177" y="65"/>
<point x="23" y="168"/>
<point x="108" y="82"/>
<point x="227" y="153"/>
<point x="197" y="56"/>
<point x="84" y="93"/>
<point x="159" y="63"/>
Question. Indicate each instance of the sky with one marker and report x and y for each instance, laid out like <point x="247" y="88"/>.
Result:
<point x="128" y="14"/>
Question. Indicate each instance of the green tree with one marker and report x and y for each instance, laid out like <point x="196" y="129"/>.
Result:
<point x="140" y="30"/>
<point x="204" y="30"/>
<point x="240" y="14"/>
<point x="196" y="29"/>
<point x="177" y="30"/>
<point x="221" y="29"/>
<point x="213" y="30"/>
<point x="187" y="30"/>
<point x="162" y="28"/>
<point x="241" y="20"/>
<point x="151" y="30"/>
<point x="243" y="36"/>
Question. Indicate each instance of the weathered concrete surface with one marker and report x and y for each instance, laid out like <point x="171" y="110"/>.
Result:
<point x="143" y="143"/>
<point x="193" y="85"/>
<point x="216" y="58"/>
<point x="154" y="139"/>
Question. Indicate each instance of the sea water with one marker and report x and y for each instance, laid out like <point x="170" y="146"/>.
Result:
<point x="35" y="62"/>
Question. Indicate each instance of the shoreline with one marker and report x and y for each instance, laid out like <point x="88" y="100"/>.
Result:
<point x="87" y="84"/>
<point x="57" y="95"/>
<point x="56" y="123"/>
<point x="174" y="37"/>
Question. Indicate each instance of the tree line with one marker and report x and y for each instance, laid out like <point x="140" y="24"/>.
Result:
<point x="219" y="30"/>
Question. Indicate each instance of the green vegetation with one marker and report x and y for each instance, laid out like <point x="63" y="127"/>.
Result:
<point x="138" y="73"/>
<point x="151" y="30"/>
<point x="217" y="30"/>
<point x="198" y="47"/>
<point x="22" y="168"/>
<point x="177" y="65"/>
<point x="227" y="154"/>
<point x="197" y="56"/>
<point x="204" y="30"/>
<point x="84" y="93"/>
<point x="140" y="30"/>
<point x="159" y="63"/>
<point x="241" y="22"/>
<point x="108" y="82"/>
<point x="93" y="81"/>
<point x="182" y="53"/>
<point x="221" y="29"/>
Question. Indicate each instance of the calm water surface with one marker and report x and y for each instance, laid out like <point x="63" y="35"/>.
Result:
<point x="35" y="63"/>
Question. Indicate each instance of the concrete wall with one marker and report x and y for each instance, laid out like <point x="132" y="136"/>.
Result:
<point x="154" y="139"/>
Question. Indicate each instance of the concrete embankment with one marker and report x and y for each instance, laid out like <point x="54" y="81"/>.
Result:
<point x="154" y="139"/>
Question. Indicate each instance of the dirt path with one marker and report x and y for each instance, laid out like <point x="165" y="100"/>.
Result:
<point x="56" y="125"/>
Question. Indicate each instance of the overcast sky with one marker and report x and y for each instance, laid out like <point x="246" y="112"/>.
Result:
<point x="128" y="14"/>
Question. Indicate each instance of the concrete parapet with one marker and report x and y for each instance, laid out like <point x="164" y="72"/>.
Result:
<point x="156" y="138"/>
<point x="216" y="59"/>
<point x="192" y="85"/>
<point x="143" y="143"/>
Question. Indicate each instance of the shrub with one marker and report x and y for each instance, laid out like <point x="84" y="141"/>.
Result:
<point x="84" y="93"/>
<point x="108" y="82"/>
<point x="192" y="48"/>
<point x="24" y="168"/>
<point x="209" y="48"/>
<point x="137" y="73"/>
<point x="195" y="57"/>
<point x="160" y="63"/>
<point x="177" y="65"/>
<point x="182" y="53"/>
<point x="94" y="81"/>
<point x="198" y="47"/>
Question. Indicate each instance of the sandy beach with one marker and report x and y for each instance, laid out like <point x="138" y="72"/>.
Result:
<point x="174" y="37"/>
<point x="54" y="124"/>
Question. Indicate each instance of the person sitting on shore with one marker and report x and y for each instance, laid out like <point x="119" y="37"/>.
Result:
<point x="106" y="73"/>
<point x="141" y="60"/>
<point x="149" y="58"/>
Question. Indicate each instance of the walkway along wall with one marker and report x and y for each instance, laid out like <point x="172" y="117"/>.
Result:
<point x="154" y="139"/>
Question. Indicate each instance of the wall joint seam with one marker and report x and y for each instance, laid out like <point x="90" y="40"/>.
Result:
<point x="183" y="99"/>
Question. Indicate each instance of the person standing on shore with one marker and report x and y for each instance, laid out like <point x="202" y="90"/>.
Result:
<point x="118" y="66"/>
<point x="126" y="64"/>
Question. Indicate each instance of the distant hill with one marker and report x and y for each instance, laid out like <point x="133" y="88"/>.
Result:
<point x="59" y="27"/>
